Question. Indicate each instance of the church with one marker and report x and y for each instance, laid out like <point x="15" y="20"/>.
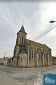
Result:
<point x="28" y="53"/>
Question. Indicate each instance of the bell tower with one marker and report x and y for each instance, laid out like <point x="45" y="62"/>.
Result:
<point x="21" y="36"/>
<point x="20" y="41"/>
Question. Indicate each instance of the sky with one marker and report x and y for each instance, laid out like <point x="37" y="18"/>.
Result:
<point x="36" y="16"/>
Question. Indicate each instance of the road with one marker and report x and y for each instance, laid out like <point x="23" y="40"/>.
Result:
<point x="26" y="76"/>
<point x="10" y="78"/>
<point x="7" y="80"/>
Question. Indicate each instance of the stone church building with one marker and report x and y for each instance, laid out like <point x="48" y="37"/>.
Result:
<point x="28" y="53"/>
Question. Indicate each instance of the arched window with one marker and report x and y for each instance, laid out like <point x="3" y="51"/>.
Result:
<point x="32" y="53"/>
<point x="21" y="59"/>
<point x="44" y="55"/>
<point x="39" y="54"/>
<point x="19" y="40"/>
<point x="22" y="40"/>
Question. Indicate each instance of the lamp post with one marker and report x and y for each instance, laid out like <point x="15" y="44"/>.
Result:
<point x="5" y="54"/>
<point x="52" y="21"/>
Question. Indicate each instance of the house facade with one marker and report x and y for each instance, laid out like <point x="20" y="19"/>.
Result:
<point x="28" y="53"/>
<point x="54" y="60"/>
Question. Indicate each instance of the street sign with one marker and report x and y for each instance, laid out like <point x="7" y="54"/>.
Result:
<point x="49" y="79"/>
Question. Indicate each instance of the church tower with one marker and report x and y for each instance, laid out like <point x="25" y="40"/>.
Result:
<point x="20" y="41"/>
<point x="21" y="36"/>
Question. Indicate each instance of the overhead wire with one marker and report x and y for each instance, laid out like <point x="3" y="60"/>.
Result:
<point x="45" y="33"/>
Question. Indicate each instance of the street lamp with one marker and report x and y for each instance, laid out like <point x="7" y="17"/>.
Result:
<point x="52" y="21"/>
<point x="5" y="54"/>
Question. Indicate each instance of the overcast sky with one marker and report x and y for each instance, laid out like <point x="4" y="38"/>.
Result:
<point x="36" y="17"/>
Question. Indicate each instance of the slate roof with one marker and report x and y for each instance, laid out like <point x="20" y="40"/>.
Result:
<point x="23" y="51"/>
<point x="37" y="44"/>
<point x="22" y="29"/>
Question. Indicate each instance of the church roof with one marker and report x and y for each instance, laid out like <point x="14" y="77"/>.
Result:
<point x="22" y="49"/>
<point x="37" y="44"/>
<point x="22" y="29"/>
<point x="23" y="52"/>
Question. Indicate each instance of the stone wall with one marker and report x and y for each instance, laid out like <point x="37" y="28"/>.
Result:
<point x="22" y="62"/>
<point x="54" y="60"/>
<point x="14" y="61"/>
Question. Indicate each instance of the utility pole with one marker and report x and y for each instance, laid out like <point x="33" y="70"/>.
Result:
<point x="5" y="54"/>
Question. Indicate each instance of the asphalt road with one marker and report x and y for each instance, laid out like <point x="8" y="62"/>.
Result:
<point x="22" y="78"/>
<point x="7" y="80"/>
